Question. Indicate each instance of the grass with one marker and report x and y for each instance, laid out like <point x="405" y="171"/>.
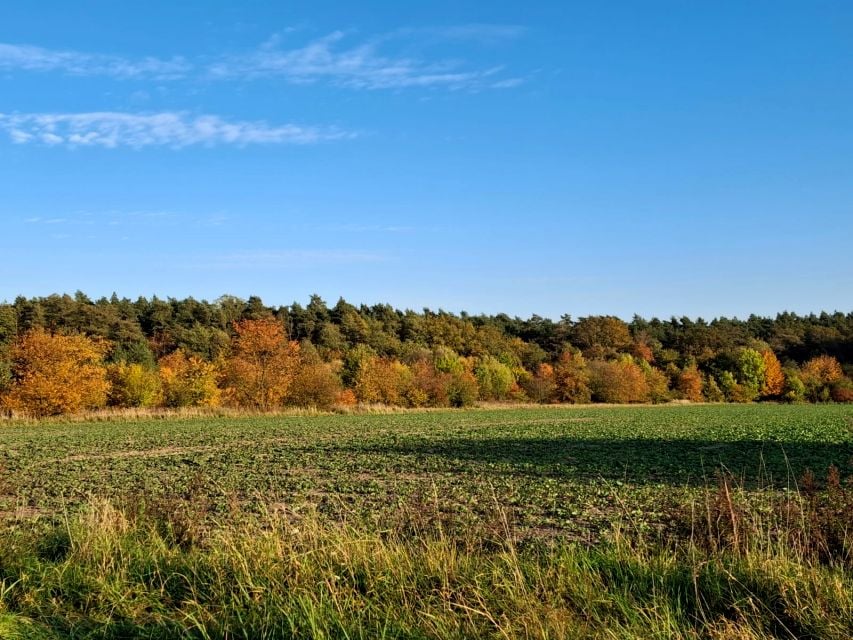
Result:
<point x="684" y="521"/>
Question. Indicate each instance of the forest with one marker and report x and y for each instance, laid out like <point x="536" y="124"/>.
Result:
<point x="65" y="354"/>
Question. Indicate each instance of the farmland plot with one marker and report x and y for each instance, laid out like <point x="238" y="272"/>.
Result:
<point x="557" y="471"/>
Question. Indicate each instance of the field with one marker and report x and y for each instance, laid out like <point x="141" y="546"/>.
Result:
<point x="538" y="484"/>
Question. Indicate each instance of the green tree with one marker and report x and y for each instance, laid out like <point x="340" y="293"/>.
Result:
<point x="494" y="379"/>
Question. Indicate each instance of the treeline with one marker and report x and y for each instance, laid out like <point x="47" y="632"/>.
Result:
<point x="62" y="354"/>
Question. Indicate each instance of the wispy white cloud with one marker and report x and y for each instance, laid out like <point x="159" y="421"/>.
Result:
<point x="358" y="66"/>
<point x="31" y="58"/>
<point x="111" y="129"/>
<point x="334" y="58"/>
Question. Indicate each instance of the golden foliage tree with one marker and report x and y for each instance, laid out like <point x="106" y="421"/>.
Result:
<point x="316" y="384"/>
<point x="618" y="381"/>
<point x="602" y="336"/>
<point x="380" y="380"/>
<point x="774" y="377"/>
<point x="818" y="376"/>
<point x="657" y="382"/>
<point x="571" y="378"/>
<point x="262" y="365"/>
<point x="188" y="381"/>
<point x="54" y="374"/>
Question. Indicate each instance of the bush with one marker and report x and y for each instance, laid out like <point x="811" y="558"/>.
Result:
<point x="793" y="390"/>
<point x="712" y="391"/>
<point x="462" y="390"/>
<point x="842" y="390"/>
<point x="133" y="385"/>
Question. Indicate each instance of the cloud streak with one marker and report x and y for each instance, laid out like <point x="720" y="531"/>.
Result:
<point x="333" y="59"/>
<point x="359" y="66"/>
<point x="109" y="129"/>
<point x="15" y="57"/>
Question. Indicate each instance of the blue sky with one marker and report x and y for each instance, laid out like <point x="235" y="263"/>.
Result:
<point x="659" y="158"/>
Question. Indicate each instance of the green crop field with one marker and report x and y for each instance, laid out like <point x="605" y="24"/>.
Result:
<point x="515" y="523"/>
<point x="557" y="470"/>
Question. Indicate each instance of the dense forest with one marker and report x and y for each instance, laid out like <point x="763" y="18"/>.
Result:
<point x="62" y="354"/>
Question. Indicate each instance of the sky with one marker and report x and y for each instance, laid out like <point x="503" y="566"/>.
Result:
<point x="653" y="158"/>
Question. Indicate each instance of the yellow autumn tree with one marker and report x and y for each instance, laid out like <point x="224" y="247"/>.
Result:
<point x="381" y="380"/>
<point x="188" y="381"/>
<point x="774" y="377"/>
<point x="262" y="365"/>
<point x="818" y="375"/>
<point x="55" y="374"/>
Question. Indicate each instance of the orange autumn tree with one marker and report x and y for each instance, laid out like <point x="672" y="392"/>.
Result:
<point x="690" y="382"/>
<point x="774" y="377"/>
<point x="54" y="374"/>
<point x="262" y="365"/>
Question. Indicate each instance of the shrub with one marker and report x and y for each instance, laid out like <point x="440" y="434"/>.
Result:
<point x="842" y="390"/>
<point x="429" y="385"/>
<point x="774" y="377"/>
<point x="657" y="383"/>
<point x="793" y="390"/>
<point x="382" y="380"/>
<point x="712" y="391"/>
<point x="133" y="385"/>
<point x="462" y="390"/>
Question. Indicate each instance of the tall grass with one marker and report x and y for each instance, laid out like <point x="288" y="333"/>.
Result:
<point x="143" y="571"/>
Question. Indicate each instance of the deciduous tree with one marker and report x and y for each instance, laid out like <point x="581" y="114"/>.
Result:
<point x="818" y="376"/>
<point x="262" y="364"/>
<point x="690" y="383"/>
<point x="571" y="377"/>
<point x="188" y="381"/>
<point x="54" y="374"/>
<point x="774" y="377"/>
